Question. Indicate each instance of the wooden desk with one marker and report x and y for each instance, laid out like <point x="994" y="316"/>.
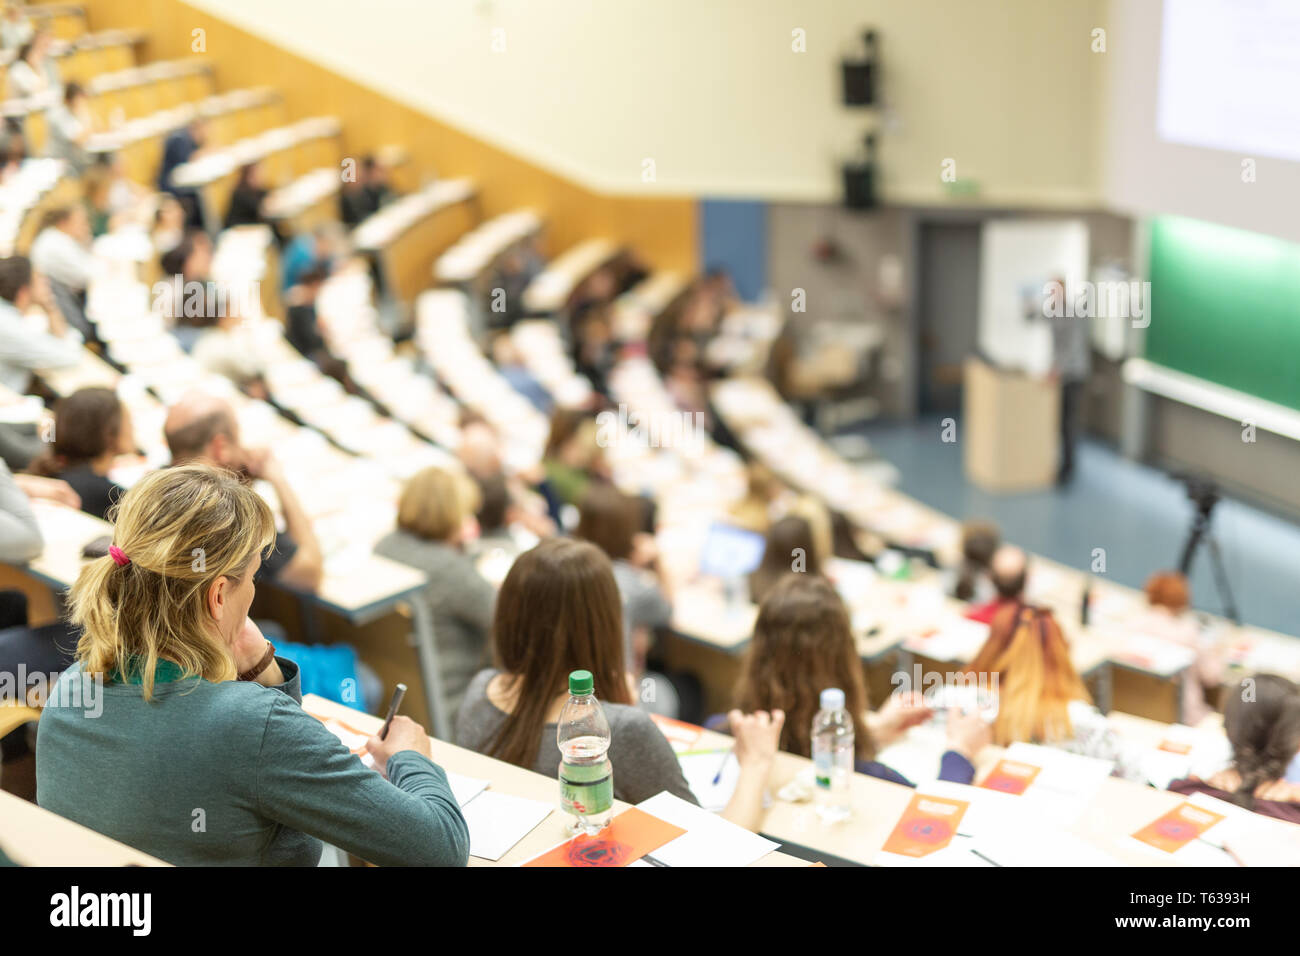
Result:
<point x="506" y="778"/>
<point x="551" y="289"/>
<point x="877" y="805"/>
<point x="35" y="837"/>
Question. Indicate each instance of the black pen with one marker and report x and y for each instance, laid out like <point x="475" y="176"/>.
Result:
<point x="398" y="693"/>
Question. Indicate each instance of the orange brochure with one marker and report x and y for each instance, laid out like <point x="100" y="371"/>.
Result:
<point x="630" y="835"/>
<point x="1011" y="776"/>
<point x="681" y="735"/>
<point x="928" y="824"/>
<point x="1177" y="828"/>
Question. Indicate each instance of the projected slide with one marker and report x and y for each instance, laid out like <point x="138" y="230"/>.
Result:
<point x="1230" y="76"/>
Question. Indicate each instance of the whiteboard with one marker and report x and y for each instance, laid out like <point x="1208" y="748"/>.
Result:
<point x="1018" y="258"/>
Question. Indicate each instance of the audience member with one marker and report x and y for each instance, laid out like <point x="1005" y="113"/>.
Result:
<point x="979" y="542"/>
<point x="247" y="197"/>
<point x="68" y="127"/>
<point x="92" y="428"/>
<point x="1007" y="571"/>
<point x="182" y="146"/>
<point x="24" y="349"/>
<point x="789" y="548"/>
<point x="1168" y="617"/>
<point x="559" y="611"/>
<point x="33" y="71"/>
<point x="608" y="519"/>
<point x="802" y="645"/>
<point x="1262" y="720"/>
<point x="1041" y="698"/>
<point x="435" y="519"/>
<point x="16" y="27"/>
<point x="203" y="429"/>
<point x="197" y="710"/>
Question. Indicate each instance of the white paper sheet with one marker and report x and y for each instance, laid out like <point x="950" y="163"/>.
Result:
<point x="709" y="840"/>
<point x="701" y="769"/>
<point x="497" y="821"/>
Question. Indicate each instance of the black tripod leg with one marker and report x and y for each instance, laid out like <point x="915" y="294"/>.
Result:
<point x="1221" y="580"/>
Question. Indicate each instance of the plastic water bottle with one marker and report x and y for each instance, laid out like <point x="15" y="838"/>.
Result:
<point x="833" y="754"/>
<point x="586" y="777"/>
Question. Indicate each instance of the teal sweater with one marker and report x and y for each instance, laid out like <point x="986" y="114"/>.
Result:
<point x="235" y="774"/>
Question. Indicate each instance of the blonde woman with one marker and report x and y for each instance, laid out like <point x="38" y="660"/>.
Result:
<point x="193" y="745"/>
<point x="435" y="519"/>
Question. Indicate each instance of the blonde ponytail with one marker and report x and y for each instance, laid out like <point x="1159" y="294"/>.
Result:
<point x="180" y="529"/>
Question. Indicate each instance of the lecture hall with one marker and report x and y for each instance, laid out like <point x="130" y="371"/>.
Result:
<point x="691" y="433"/>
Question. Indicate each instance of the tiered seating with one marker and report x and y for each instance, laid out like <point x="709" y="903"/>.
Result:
<point x="636" y="310"/>
<point x="406" y="236"/>
<point x="38" y="184"/>
<point x="82" y="57"/>
<point x="286" y="152"/>
<point x="551" y="289"/>
<point x="122" y="95"/>
<point x="351" y="422"/>
<point x="475" y="253"/>
<point x="63" y="20"/>
<point x="230" y="115"/>
<point x="350" y="323"/>
<point x="443" y="334"/>
<point x="539" y="343"/>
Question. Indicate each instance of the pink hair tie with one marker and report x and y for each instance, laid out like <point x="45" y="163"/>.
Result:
<point x="118" y="555"/>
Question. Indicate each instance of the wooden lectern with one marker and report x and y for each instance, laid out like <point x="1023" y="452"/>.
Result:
<point x="1012" y="428"/>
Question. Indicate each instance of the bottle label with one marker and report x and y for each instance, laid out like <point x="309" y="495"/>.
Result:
<point x="822" y="769"/>
<point x="586" y="791"/>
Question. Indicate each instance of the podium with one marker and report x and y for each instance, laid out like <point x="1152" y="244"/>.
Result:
<point x="1012" y="429"/>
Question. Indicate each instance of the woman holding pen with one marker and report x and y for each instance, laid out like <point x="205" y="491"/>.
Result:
<point x="180" y="732"/>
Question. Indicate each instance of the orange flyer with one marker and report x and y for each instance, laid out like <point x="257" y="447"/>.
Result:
<point x="630" y="835"/>
<point x="928" y="824"/>
<point x="1011" y="776"/>
<point x="1177" y="828"/>
<point x="681" y="735"/>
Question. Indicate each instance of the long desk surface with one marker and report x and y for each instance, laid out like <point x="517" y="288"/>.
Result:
<point x="35" y="837"/>
<point x="1118" y="809"/>
<point x="505" y="778"/>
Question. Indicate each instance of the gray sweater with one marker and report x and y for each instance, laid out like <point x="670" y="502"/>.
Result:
<point x="643" y="761"/>
<point x="20" y="535"/>
<point x="234" y="773"/>
<point x="461" y="602"/>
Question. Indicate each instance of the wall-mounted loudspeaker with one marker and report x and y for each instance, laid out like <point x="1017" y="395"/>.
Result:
<point x="860" y="178"/>
<point x="860" y="76"/>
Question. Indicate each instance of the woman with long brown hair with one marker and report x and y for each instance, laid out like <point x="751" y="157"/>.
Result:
<point x="790" y="547"/>
<point x="1262" y="722"/>
<point x="1041" y="698"/>
<point x="559" y="611"/>
<point x="802" y="645"/>
<point x="608" y="519"/>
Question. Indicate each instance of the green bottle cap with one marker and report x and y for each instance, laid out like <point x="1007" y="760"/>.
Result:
<point x="581" y="682"/>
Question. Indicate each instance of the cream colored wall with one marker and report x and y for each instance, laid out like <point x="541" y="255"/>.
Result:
<point x="712" y="92"/>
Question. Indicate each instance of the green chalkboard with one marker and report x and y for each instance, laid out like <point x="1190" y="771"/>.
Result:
<point x="1225" y="306"/>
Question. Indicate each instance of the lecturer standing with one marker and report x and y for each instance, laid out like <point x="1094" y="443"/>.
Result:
<point x="1071" y="366"/>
